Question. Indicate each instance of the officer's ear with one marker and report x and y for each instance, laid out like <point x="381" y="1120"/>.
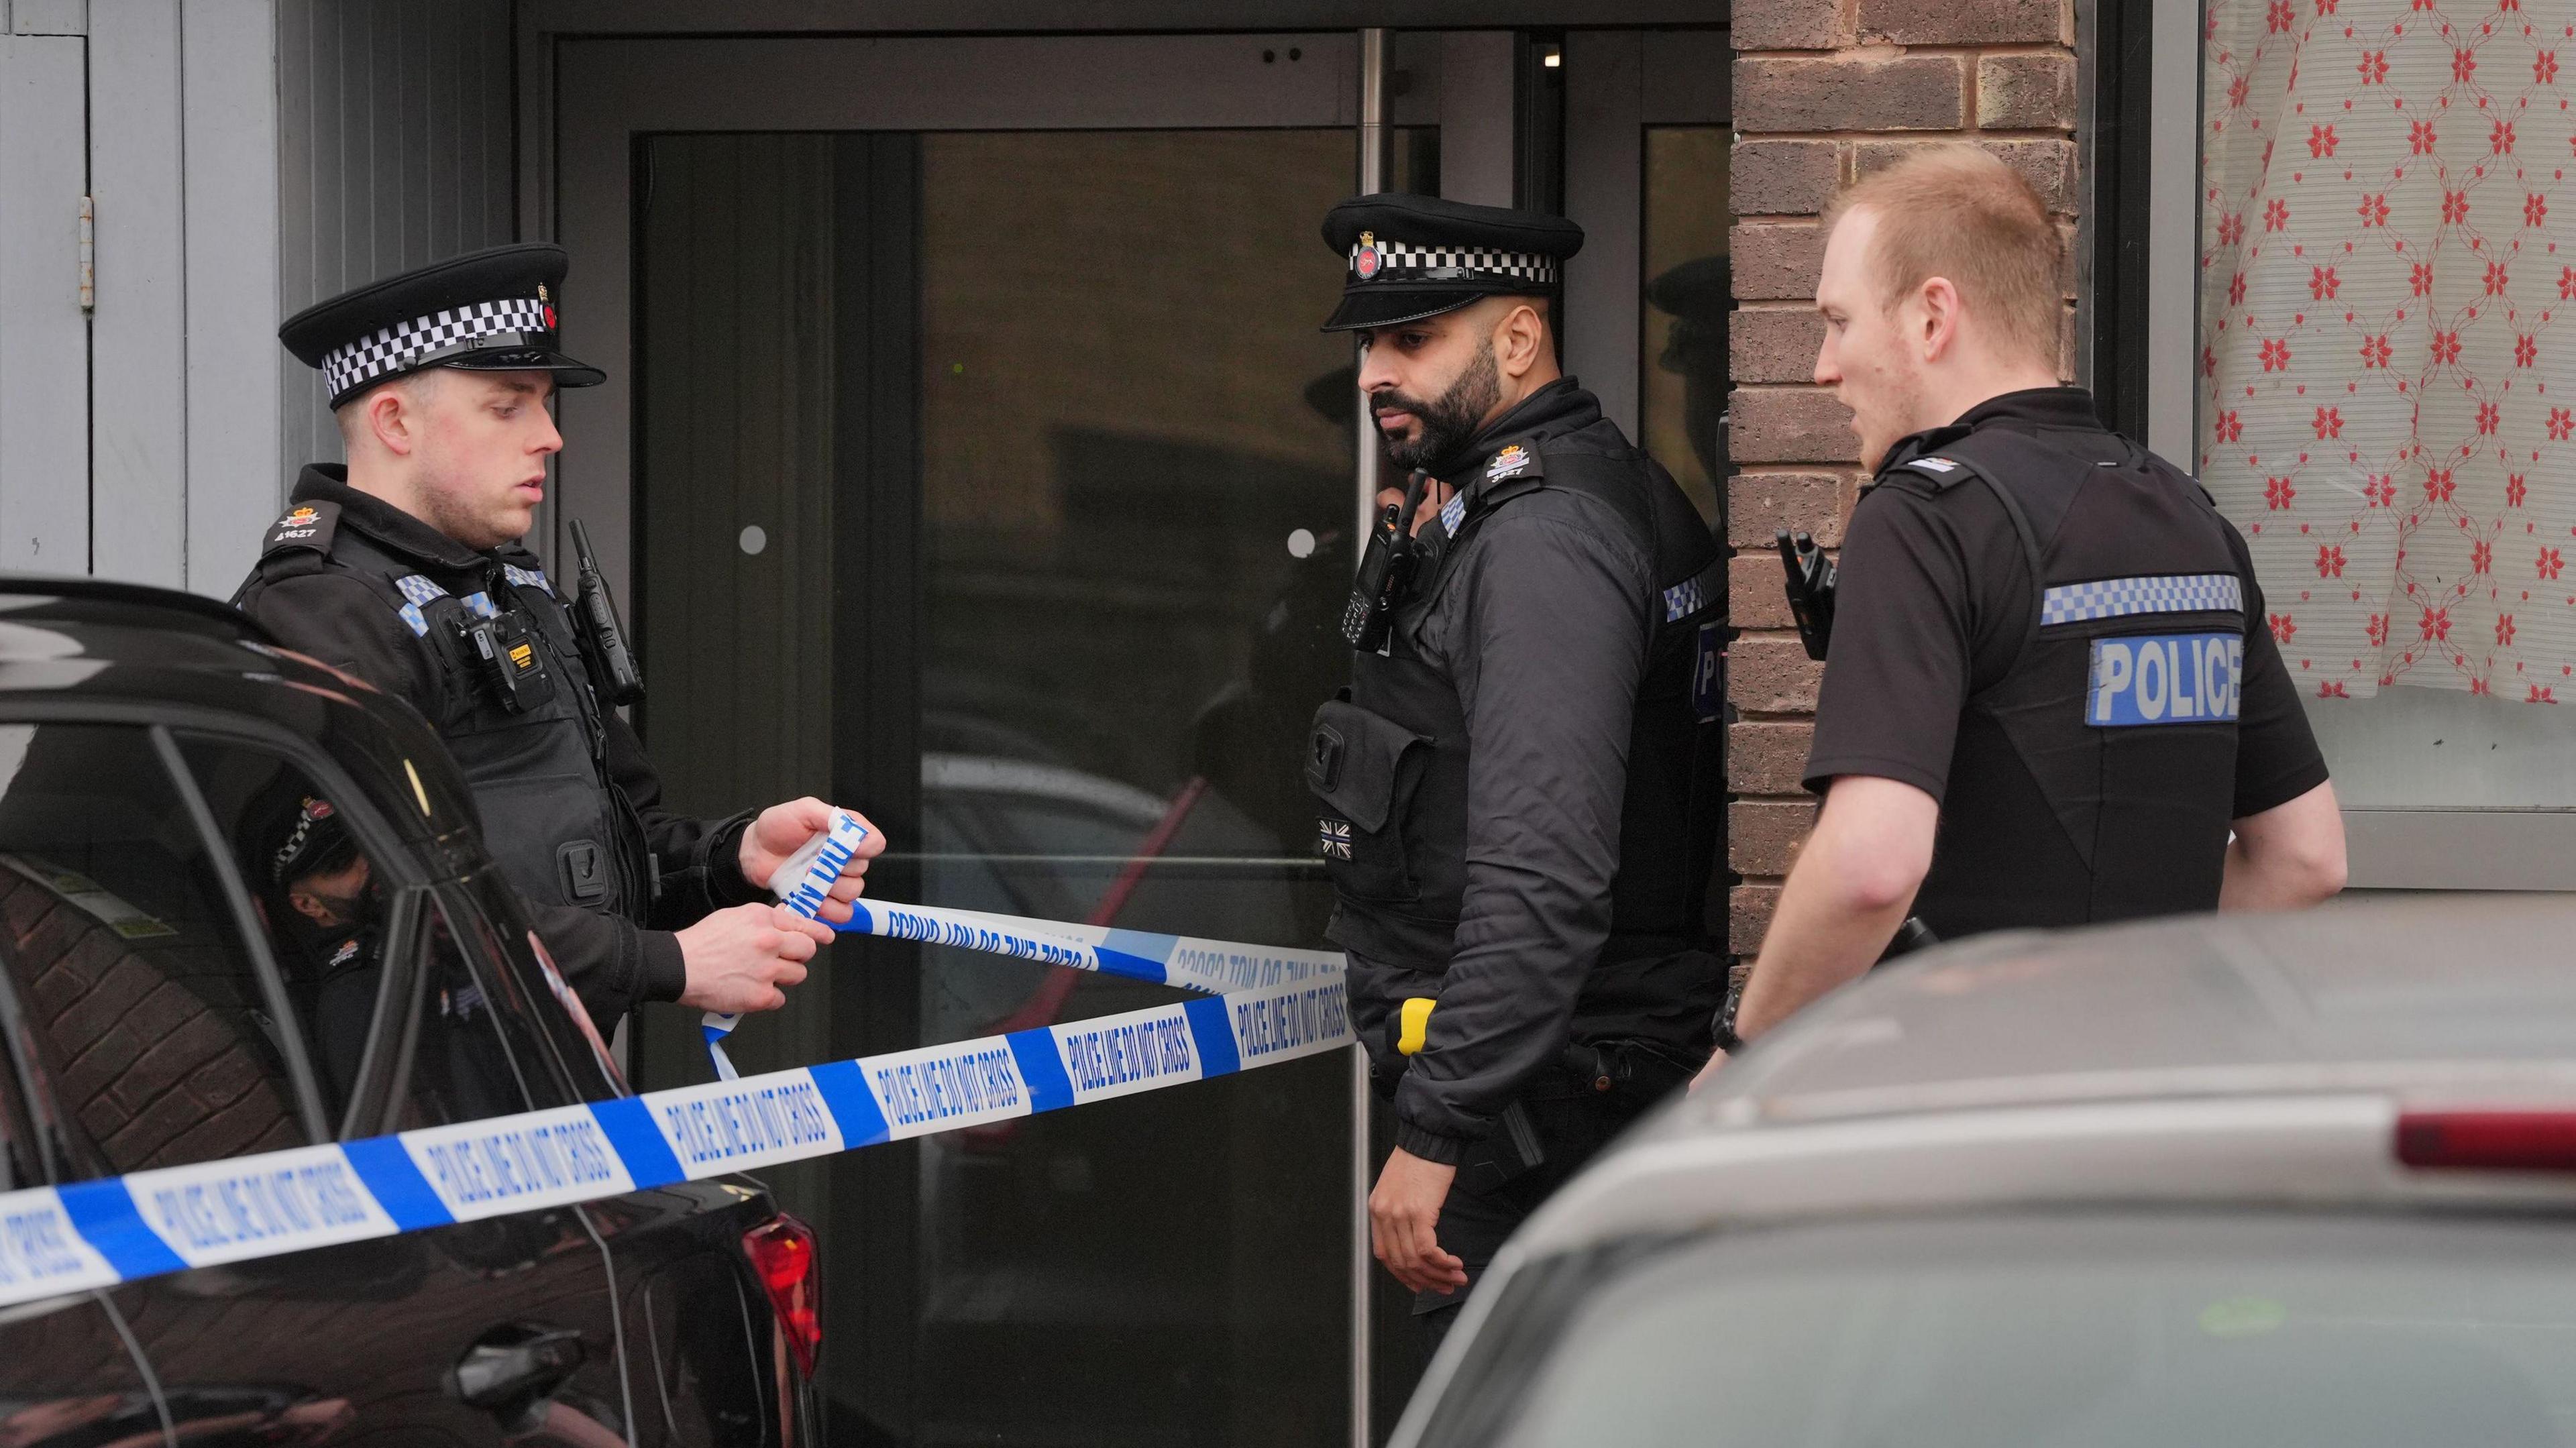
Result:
<point x="1937" y="319"/>
<point x="390" y="416"/>
<point x="1521" y="339"/>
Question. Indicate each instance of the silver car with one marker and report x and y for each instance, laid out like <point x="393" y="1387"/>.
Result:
<point x="2258" y="1181"/>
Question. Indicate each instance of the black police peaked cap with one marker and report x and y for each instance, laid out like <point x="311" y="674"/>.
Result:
<point x="491" y="311"/>
<point x="1418" y="256"/>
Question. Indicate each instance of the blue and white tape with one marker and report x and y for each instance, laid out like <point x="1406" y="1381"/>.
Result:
<point x="1214" y="966"/>
<point x="55" y="1240"/>
<point x="802" y="882"/>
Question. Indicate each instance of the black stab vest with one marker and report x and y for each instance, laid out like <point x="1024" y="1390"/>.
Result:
<point x="560" y="830"/>
<point x="1395" y="831"/>
<point x="2094" y="780"/>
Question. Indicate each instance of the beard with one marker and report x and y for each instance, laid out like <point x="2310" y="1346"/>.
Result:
<point x="1447" y="423"/>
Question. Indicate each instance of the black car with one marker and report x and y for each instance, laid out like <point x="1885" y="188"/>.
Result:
<point x="244" y="906"/>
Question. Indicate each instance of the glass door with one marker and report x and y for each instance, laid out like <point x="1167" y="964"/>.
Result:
<point x="997" y="481"/>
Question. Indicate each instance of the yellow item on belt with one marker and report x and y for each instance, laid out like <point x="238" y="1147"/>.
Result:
<point x="1415" y="1020"/>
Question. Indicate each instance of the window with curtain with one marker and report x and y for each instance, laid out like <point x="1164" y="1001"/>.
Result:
<point x="2388" y="376"/>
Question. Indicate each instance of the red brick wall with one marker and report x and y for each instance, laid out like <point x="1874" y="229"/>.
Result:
<point x="1827" y="91"/>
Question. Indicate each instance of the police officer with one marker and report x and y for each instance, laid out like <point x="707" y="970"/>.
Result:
<point x="2051" y="694"/>
<point x="407" y="569"/>
<point x="1519" y="788"/>
<point x="324" y="909"/>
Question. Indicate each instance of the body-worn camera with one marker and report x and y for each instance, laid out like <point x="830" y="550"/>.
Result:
<point x="504" y="648"/>
<point x="1811" y="589"/>
<point x="1386" y="572"/>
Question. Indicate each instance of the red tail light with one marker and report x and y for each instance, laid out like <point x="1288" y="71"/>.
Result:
<point x="2488" y="1140"/>
<point x="782" y="1253"/>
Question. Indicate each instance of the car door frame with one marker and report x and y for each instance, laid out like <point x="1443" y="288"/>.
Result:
<point x="412" y="890"/>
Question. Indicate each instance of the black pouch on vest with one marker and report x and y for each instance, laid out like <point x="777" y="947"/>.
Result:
<point x="1364" y="767"/>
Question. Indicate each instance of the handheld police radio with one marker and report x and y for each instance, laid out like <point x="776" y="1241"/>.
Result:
<point x="1811" y="589"/>
<point x="1386" y="571"/>
<point x="603" y="639"/>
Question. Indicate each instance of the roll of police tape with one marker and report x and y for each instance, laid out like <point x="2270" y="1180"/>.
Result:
<point x="55" y="1240"/>
<point x="802" y="882"/>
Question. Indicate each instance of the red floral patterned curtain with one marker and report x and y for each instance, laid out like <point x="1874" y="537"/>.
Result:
<point x="2389" y="399"/>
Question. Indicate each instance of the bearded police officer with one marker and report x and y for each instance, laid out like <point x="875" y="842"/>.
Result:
<point x="1519" y="788"/>
<point x="2050" y="694"/>
<point x="407" y="569"/>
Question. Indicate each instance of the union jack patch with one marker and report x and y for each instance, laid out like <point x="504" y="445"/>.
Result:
<point x="1333" y="839"/>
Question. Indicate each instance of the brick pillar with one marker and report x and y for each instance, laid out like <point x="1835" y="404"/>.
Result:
<point x="1827" y="91"/>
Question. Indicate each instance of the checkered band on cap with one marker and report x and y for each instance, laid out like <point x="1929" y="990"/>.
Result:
<point x="406" y="345"/>
<point x="1397" y="262"/>
<point x="2164" y="593"/>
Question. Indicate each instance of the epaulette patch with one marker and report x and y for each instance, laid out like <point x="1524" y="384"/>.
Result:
<point x="1515" y="460"/>
<point x="306" y="525"/>
<point x="1943" y="472"/>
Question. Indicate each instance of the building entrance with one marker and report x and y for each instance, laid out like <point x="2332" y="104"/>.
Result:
<point x="970" y="454"/>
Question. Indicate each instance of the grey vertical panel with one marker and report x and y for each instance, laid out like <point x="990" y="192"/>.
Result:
<point x="44" y="339"/>
<point x="1476" y="116"/>
<point x="2173" y="242"/>
<point x="393" y="152"/>
<point x="229" y="124"/>
<point x="138" y="474"/>
<point x="1604" y="166"/>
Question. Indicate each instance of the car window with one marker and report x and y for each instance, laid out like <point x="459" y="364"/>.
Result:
<point x="21" y="1156"/>
<point x="2112" y="1330"/>
<point x="555" y="1011"/>
<point x="319" y="894"/>
<point x="150" y="1025"/>
<point x="460" y="1065"/>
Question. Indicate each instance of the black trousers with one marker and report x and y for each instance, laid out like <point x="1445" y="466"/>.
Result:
<point x="1571" y="1128"/>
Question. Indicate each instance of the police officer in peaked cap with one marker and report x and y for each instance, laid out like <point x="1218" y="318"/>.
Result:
<point x="407" y="568"/>
<point x="2051" y="696"/>
<point x="1520" y="787"/>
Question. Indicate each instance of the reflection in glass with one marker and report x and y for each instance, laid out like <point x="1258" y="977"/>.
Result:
<point x="1689" y="293"/>
<point x="1080" y="373"/>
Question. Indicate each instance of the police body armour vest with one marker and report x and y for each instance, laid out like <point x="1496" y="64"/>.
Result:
<point x="1390" y="758"/>
<point x="2095" y="779"/>
<point x="561" y="832"/>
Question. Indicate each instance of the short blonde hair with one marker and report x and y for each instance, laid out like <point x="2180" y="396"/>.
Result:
<point x="1958" y="212"/>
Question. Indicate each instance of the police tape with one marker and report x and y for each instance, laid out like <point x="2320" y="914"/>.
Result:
<point x="60" y="1239"/>
<point x="802" y="882"/>
<point x="1214" y="966"/>
<point x="1190" y="962"/>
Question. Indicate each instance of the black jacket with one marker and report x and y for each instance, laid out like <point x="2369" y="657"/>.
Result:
<point x="570" y="805"/>
<point x="1520" y="795"/>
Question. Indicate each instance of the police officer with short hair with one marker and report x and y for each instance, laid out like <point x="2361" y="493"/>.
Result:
<point x="2051" y="696"/>
<point x="1520" y="787"/>
<point x="407" y="569"/>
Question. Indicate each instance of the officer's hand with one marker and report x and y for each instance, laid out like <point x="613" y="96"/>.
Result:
<point x="783" y="829"/>
<point x="1708" y="1073"/>
<point x="1402" y="1213"/>
<point x="744" y="958"/>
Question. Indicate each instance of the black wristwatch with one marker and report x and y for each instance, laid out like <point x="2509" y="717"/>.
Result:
<point x="1721" y="1029"/>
